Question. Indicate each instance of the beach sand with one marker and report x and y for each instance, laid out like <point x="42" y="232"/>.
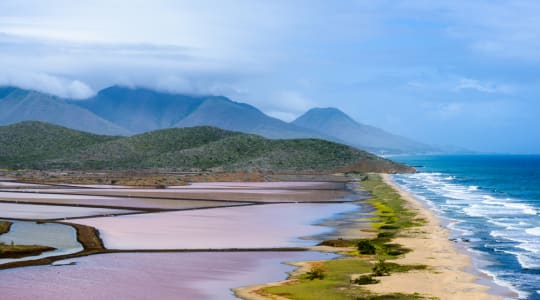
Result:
<point x="447" y="277"/>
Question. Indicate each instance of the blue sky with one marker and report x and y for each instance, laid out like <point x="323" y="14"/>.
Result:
<point x="464" y="73"/>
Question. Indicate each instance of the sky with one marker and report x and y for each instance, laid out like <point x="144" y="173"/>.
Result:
<point x="459" y="72"/>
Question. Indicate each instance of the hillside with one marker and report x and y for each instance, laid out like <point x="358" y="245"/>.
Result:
<point x="341" y="127"/>
<point x="17" y="105"/>
<point x="34" y="141"/>
<point x="43" y="146"/>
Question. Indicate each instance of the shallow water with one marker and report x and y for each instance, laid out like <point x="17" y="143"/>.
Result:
<point x="258" y="226"/>
<point x="151" y="275"/>
<point x="62" y="237"/>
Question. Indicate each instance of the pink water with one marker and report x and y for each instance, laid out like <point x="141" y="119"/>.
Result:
<point x="259" y="226"/>
<point x="150" y="275"/>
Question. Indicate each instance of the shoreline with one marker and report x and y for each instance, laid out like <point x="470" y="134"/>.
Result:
<point x="450" y="276"/>
<point x="449" y="273"/>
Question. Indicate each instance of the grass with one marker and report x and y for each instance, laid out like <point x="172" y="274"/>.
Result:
<point x="390" y="217"/>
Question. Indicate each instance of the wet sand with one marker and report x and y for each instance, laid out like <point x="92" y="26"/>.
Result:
<point x="260" y="226"/>
<point x="150" y="275"/>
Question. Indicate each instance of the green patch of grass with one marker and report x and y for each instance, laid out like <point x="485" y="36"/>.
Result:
<point x="335" y="285"/>
<point x="391" y="216"/>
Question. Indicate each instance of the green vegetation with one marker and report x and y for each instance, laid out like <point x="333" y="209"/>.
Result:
<point x="365" y="279"/>
<point x="34" y="145"/>
<point x="390" y="217"/>
<point x="26" y="143"/>
<point x="315" y="273"/>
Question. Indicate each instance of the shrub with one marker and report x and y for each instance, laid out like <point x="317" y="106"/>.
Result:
<point x="366" y="247"/>
<point x="315" y="273"/>
<point x="381" y="268"/>
<point x="365" y="279"/>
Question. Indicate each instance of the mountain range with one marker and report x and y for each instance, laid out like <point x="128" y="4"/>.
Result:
<point x="127" y="111"/>
<point x="38" y="145"/>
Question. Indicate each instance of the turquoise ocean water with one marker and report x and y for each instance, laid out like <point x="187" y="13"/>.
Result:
<point x="491" y="203"/>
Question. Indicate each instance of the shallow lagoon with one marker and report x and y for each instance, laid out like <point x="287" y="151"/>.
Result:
<point x="62" y="237"/>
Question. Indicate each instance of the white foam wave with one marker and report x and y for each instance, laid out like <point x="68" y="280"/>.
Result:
<point x="533" y="231"/>
<point x="500" y="282"/>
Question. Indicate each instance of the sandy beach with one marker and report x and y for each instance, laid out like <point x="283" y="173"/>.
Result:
<point x="447" y="277"/>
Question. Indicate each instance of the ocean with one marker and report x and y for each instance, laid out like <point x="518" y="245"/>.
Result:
<point x="491" y="204"/>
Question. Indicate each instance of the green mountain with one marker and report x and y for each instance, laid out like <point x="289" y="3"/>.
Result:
<point x="17" y="105"/>
<point x="33" y="141"/>
<point x="341" y="127"/>
<point x="44" y="146"/>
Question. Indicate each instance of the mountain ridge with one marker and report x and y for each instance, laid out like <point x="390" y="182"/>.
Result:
<point x="335" y="123"/>
<point x="126" y="111"/>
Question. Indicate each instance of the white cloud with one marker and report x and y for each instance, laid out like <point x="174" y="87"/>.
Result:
<point x="292" y="101"/>
<point x="61" y="87"/>
<point x="485" y="87"/>
<point x="282" y="115"/>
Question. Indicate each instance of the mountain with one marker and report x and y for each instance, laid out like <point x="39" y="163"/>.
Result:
<point x="18" y="105"/>
<point x="126" y="111"/>
<point x="38" y="145"/>
<point x="140" y="110"/>
<point x="338" y="125"/>
<point x="35" y="141"/>
<point x="224" y="113"/>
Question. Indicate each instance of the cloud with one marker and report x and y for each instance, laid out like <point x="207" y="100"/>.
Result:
<point x="292" y="100"/>
<point x="477" y="85"/>
<point x="61" y="87"/>
<point x="282" y="115"/>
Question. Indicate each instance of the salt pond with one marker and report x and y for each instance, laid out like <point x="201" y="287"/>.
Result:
<point x="44" y="212"/>
<point x="208" y="275"/>
<point x="258" y="226"/>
